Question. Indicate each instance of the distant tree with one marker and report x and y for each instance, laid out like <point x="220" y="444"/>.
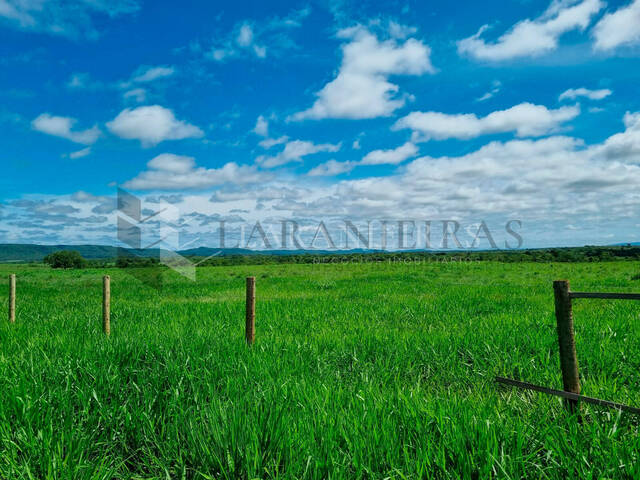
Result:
<point x="65" y="259"/>
<point x="136" y="262"/>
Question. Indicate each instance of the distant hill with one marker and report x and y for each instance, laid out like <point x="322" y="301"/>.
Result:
<point x="23" y="253"/>
<point x="18" y="253"/>
<point x="225" y="252"/>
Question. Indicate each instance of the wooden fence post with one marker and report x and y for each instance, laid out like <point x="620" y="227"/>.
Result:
<point x="566" y="341"/>
<point x="12" y="298"/>
<point x="250" y="328"/>
<point x="106" y="304"/>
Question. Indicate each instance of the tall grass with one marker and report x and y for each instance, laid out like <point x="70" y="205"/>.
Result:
<point x="358" y="371"/>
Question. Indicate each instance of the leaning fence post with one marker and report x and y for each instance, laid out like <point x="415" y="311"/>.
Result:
<point x="106" y="304"/>
<point x="12" y="298"/>
<point x="250" y="328"/>
<point x="566" y="341"/>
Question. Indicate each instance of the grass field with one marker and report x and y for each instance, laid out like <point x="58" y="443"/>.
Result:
<point x="358" y="371"/>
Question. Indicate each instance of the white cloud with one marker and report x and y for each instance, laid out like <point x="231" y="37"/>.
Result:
<point x="144" y="75"/>
<point x="533" y="37"/>
<point x="495" y="88"/>
<point x="621" y="27"/>
<point x="246" y="39"/>
<point x="574" y="93"/>
<point x="13" y="10"/>
<point x="62" y="127"/>
<point x="547" y="183"/>
<point x="272" y="142"/>
<point x="151" y="125"/>
<point x="624" y="146"/>
<point x="170" y="162"/>
<point x="245" y="36"/>
<point x="526" y="119"/>
<point x="362" y="89"/>
<point x="70" y="19"/>
<point x="82" y="81"/>
<point x="250" y="39"/>
<point x="219" y="54"/>
<point x="294" y="151"/>
<point x="149" y="74"/>
<point x="397" y="30"/>
<point x="76" y="81"/>
<point x="255" y="39"/>
<point x="392" y="156"/>
<point x="262" y="127"/>
<point x="138" y="94"/>
<point x="175" y="172"/>
<point x="331" y="168"/>
<point x="80" y="153"/>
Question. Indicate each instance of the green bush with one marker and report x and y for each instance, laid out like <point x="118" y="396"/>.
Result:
<point x="65" y="259"/>
<point x="136" y="262"/>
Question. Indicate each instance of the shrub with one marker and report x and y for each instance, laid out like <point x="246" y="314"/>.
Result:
<point x="65" y="259"/>
<point x="136" y="262"/>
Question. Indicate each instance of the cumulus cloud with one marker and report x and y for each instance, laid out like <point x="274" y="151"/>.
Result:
<point x="533" y="37"/>
<point x="574" y="93"/>
<point x="621" y="27"/>
<point x="498" y="177"/>
<point x="294" y="151"/>
<point x="398" y="30"/>
<point x="101" y="205"/>
<point x="262" y="127"/>
<point x="56" y="214"/>
<point x="624" y="146"/>
<point x="250" y="38"/>
<point x="138" y="94"/>
<point x="176" y="172"/>
<point x="272" y="142"/>
<point x="547" y="183"/>
<point x="151" y="125"/>
<point x="537" y="180"/>
<point x="331" y="168"/>
<point x="362" y="88"/>
<point x="80" y="153"/>
<point x="146" y="74"/>
<point x="141" y="80"/>
<point x="70" y="19"/>
<point x="63" y="127"/>
<point x="526" y="119"/>
<point x="244" y="40"/>
<point x="392" y="156"/>
<point x="83" y="81"/>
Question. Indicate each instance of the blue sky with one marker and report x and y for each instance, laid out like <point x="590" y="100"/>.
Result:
<point x="263" y="111"/>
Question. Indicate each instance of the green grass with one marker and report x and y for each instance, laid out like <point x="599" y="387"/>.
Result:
<point x="358" y="371"/>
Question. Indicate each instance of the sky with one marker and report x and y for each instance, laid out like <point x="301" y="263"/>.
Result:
<point x="477" y="113"/>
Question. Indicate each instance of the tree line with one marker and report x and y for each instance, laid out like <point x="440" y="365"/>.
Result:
<point x="73" y="260"/>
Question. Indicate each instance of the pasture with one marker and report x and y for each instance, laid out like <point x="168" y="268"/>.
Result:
<point x="357" y="371"/>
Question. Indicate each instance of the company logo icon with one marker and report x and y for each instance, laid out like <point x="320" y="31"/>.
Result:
<point x="152" y="232"/>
